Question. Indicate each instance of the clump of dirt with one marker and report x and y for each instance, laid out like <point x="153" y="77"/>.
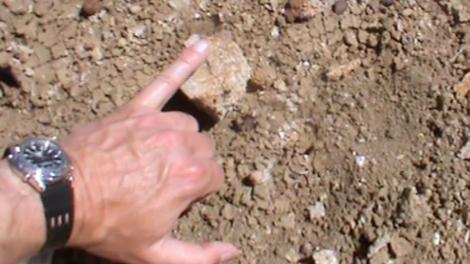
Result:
<point x="364" y="167"/>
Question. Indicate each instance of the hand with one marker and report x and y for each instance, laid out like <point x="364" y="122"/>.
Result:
<point x="138" y="169"/>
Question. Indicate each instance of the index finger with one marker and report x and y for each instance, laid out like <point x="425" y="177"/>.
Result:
<point x="157" y="94"/>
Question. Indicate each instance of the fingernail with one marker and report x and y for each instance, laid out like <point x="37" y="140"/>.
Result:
<point x="201" y="46"/>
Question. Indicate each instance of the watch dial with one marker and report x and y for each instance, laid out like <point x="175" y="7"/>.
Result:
<point x="43" y="158"/>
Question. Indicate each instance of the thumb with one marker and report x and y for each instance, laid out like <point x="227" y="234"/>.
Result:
<point x="173" y="251"/>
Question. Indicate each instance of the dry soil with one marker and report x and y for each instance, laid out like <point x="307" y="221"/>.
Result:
<point x="347" y="139"/>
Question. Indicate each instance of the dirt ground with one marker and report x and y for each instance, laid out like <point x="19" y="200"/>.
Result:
<point x="347" y="143"/>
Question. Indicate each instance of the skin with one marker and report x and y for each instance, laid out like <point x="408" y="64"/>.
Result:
<point x="136" y="171"/>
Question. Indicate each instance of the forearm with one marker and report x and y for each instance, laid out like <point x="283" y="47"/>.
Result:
<point x="22" y="227"/>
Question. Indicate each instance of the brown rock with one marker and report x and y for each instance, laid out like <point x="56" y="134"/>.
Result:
<point x="400" y="246"/>
<point x="18" y="7"/>
<point x="229" y="212"/>
<point x="263" y="76"/>
<point x="306" y="249"/>
<point x="258" y="177"/>
<point x="413" y="209"/>
<point x="91" y="7"/>
<point x="350" y="38"/>
<point x="300" y="10"/>
<point x="382" y="257"/>
<point x="42" y="7"/>
<point x="340" y="71"/>
<point x="340" y="6"/>
<point x="387" y="2"/>
<point x="463" y="87"/>
<point x="4" y="59"/>
<point x="220" y="83"/>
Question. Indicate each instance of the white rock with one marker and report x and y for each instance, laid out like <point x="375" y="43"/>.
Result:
<point x="436" y="240"/>
<point x="378" y="244"/>
<point x="464" y="152"/>
<point x="316" y="211"/>
<point x="461" y="8"/>
<point x="325" y="256"/>
<point x="179" y="4"/>
<point x="360" y="160"/>
<point x="139" y="31"/>
<point x="275" y="32"/>
<point x="220" y="83"/>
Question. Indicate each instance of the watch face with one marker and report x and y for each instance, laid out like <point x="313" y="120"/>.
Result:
<point x="40" y="158"/>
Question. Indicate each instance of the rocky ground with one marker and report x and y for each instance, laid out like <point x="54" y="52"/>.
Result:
<point x="349" y="145"/>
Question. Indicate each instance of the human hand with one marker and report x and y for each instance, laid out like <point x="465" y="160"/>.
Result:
<point x="138" y="169"/>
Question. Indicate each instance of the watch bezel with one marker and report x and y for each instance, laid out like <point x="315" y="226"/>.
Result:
<point x="39" y="177"/>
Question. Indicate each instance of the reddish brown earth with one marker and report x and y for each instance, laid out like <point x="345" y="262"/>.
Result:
<point x="348" y="138"/>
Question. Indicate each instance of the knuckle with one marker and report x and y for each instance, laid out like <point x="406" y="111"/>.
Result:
<point x="168" y="80"/>
<point x="195" y="179"/>
<point x="195" y="173"/>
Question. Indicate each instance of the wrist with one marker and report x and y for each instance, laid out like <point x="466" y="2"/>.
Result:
<point x="22" y="229"/>
<point x="82" y="235"/>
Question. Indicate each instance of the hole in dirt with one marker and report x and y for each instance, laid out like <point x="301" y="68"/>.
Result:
<point x="181" y="103"/>
<point x="7" y="77"/>
<point x="362" y="250"/>
<point x="253" y="87"/>
<point x="306" y="260"/>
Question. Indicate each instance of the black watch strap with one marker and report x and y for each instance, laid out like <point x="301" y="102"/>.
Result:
<point x="57" y="200"/>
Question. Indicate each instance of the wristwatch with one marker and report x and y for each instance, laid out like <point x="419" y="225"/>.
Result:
<point x="47" y="168"/>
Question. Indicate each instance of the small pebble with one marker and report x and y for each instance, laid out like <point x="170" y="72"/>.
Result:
<point x="351" y="39"/>
<point x="360" y="159"/>
<point x="91" y="7"/>
<point x="306" y="249"/>
<point x="292" y="256"/>
<point x="464" y="152"/>
<point x="316" y="211"/>
<point x="436" y="240"/>
<point x="463" y="87"/>
<point x="139" y="31"/>
<point x="340" y="6"/>
<point x="135" y="9"/>
<point x="387" y="2"/>
<point x="325" y="256"/>
<point x="400" y="247"/>
<point x="258" y="178"/>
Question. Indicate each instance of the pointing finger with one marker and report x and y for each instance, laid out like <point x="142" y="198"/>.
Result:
<point x="157" y="94"/>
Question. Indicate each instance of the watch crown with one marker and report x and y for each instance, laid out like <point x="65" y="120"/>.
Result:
<point x="27" y="177"/>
